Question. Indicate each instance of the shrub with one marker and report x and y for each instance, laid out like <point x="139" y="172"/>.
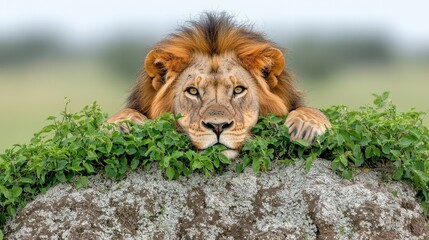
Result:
<point x="80" y="144"/>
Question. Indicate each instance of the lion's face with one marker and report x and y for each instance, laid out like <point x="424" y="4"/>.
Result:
<point x="219" y="76"/>
<point x="217" y="99"/>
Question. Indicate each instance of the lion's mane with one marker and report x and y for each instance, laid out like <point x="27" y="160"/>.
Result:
<point x="213" y="35"/>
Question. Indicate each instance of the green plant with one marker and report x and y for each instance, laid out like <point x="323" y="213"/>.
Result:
<point x="80" y="144"/>
<point x="77" y="145"/>
<point x="375" y="136"/>
<point x="379" y="136"/>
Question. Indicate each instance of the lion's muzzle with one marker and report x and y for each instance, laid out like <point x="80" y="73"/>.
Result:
<point x="217" y="128"/>
<point x="219" y="120"/>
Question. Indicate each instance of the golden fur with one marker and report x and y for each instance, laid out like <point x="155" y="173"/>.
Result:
<point x="220" y="76"/>
<point x="214" y="35"/>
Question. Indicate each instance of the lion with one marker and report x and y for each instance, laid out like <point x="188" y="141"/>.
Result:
<point x="220" y="76"/>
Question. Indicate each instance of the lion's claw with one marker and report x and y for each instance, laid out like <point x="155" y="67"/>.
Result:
<point x="126" y="114"/>
<point x="306" y="123"/>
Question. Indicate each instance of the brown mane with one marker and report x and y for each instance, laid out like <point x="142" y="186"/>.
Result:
<point x="215" y="34"/>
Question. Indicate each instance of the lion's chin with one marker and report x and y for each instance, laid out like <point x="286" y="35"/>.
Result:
<point x="232" y="150"/>
<point x="230" y="153"/>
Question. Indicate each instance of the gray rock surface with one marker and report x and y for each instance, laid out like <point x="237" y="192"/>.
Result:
<point x="284" y="203"/>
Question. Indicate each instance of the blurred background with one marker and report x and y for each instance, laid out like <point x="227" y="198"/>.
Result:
<point x="342" y="51"/>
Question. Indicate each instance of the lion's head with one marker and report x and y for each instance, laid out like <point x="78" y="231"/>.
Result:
<point x="220" y="76"/>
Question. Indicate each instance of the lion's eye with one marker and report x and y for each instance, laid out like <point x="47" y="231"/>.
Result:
<point x="192" y="91"/>
<point x="239" y="89"/>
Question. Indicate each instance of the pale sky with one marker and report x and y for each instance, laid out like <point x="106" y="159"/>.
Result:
<point x="85" y="20"/>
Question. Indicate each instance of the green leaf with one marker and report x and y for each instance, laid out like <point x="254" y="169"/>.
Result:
<point x="176" y="155"/>
<point x="399" y="172"/>
<point x="131" y="151"/>
<point x="170" y="173"/>
<point x="357" y="156"/>
<point x="60" y="176"/>
<point x="135" y="163"/>
<point x="197" y="165"/>
<point x="123" y="166"/>
<point x="110" y="171"/>
<point x="344" y="160"/>
<point x="380" y="100"/>
<point x="91" y="155"/>
<point x="89" y="168"/>
<point x="16" y="191"/>
<point x="1" y="235"/>
<point x="256" y="165"/>
<point x="340" y="140"/>
<point x="26" y="180"/>
<point x="119" y="140"/>
<point x="6" y="193"/>
<point x="308" y="163"/>
<point x="405" y="142"/>
<point x="216" y="162"/>
<point x="423" y="177"/>
<point x="347" y="174"/>
<point x="76" y="165"/>
<point x="302" y="142"/>
<point x="82" y="181"/>
<point x="376" y="151"/>
<point x="48" y="128"/>
<point x="369" y="152"/>
<point x="385" y="95"/>
<point x="290" y="161"/>
<point x="119" y="150"/>
<point x="109" y="146"/>
<point x="209" y="166"/>
<point x="239" y="168"/>
<point x="386" y="148"/>
<point x="11" y="210"/>
<point x="185" y="171"/>
<point x="224" y="159"/>
<point x="395" y="153"/>
<point x="61" y="164"/>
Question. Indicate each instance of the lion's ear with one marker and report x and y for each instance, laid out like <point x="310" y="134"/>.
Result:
<point x="161" y="66"/>
<point x="268" y="63"/>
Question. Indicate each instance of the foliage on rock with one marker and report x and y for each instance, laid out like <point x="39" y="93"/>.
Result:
<point x="80" y="144"/>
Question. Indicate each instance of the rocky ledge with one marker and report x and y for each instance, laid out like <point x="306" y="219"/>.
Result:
<point x="283" y="203"/>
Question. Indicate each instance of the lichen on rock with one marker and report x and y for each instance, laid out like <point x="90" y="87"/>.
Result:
<point x="283" y="203"/>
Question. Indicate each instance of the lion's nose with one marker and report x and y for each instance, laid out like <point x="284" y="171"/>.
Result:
<point x="217" y="128"/>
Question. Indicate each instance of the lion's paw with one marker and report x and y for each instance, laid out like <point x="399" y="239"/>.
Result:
<point x="306" y="123"/>
<point x="127" y="114"/>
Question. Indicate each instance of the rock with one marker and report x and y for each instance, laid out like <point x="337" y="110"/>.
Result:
<point x="284" y="203"/>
